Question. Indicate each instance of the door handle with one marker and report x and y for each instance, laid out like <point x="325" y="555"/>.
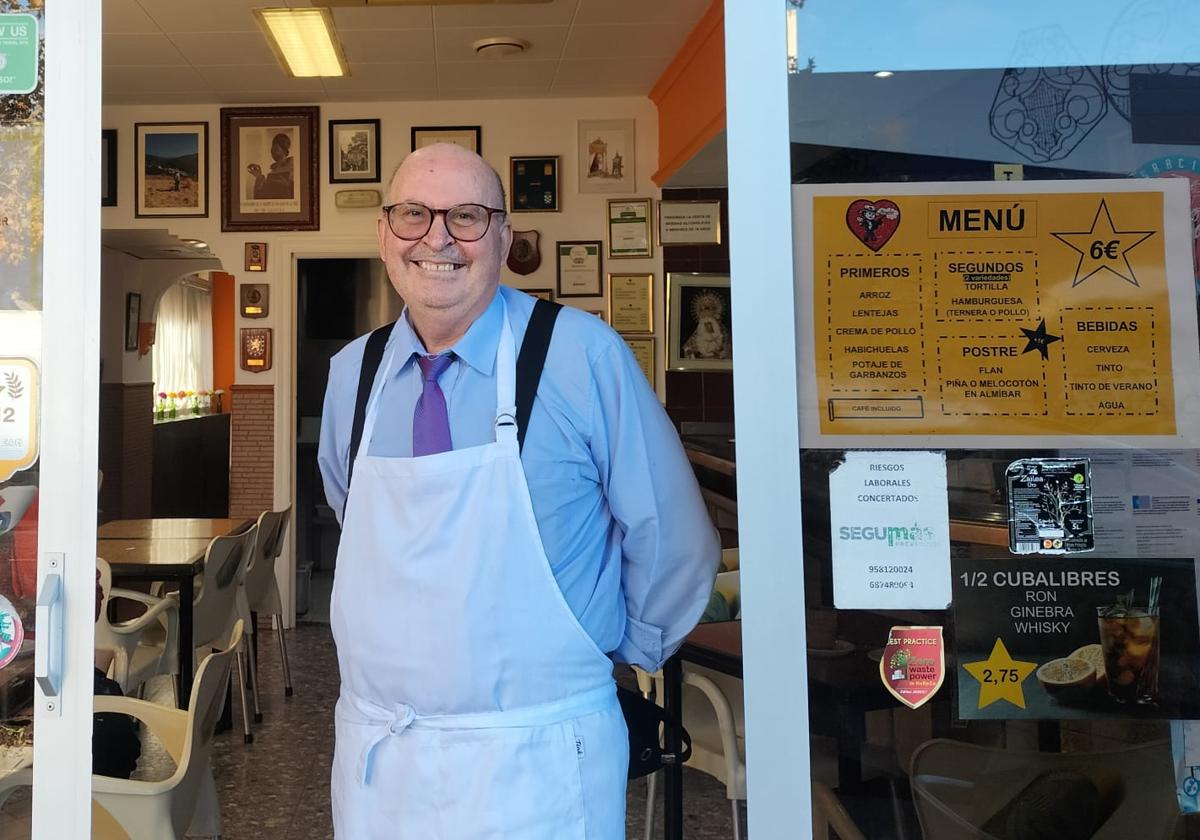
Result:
<point x="48" y="648"/>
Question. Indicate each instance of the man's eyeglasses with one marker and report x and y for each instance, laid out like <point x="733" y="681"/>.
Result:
<point x="410" y="221"/>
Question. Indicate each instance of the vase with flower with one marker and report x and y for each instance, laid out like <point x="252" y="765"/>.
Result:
<point x="171" y="397"/>
<point x="160" y="406"/>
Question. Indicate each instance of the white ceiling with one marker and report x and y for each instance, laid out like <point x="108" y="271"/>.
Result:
<point x="169" y="51"/>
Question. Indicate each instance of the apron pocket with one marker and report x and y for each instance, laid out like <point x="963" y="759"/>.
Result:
<point x="500" y="784"/>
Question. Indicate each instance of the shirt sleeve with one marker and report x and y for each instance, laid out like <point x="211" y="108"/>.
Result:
<point x="335" y="439"/>
<point x="669" y="546"/>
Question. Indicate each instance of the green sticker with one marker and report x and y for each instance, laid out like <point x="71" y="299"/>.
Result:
<point x="18" y="53"/>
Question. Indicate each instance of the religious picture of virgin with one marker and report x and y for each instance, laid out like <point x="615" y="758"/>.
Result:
<point x="701" y="335"/>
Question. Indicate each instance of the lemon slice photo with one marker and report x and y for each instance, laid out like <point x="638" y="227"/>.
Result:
<point x="1095" y="655"/>
<point x="1066" y="675"/>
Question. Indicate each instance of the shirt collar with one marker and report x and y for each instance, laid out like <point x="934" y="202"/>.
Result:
<point x="477" y="347"/>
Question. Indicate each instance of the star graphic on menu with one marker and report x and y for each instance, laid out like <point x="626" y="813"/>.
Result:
<point x="1103" y="247"/>
<point x="1000" y="677"/>
<point x="1039" y="340"/>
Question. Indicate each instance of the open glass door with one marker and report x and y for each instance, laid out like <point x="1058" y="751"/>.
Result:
<point x="1000" y="455"/>
<point x="48" y="385"/>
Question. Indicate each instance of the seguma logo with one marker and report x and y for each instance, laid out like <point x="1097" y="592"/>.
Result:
<point x="894" y="535"/>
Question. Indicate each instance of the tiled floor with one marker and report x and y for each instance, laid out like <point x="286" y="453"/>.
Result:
<point x="278" y="787"/>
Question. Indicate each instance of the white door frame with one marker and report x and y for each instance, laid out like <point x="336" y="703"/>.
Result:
<point x="69" y="410"/>
<point x="766" y="418"/>
<point x="291" y="250"/>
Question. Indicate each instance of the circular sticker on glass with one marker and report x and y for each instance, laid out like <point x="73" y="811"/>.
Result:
<point x="12" y="632"/>
<point x="1180" y="166"/>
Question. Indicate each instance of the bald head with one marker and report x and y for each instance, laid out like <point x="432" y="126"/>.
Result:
<point x="442" y="157"/>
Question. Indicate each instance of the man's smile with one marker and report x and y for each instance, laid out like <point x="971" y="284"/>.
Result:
<point x="426" y="265"/>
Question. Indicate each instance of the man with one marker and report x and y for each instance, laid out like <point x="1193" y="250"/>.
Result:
<point x="481" y="588"/>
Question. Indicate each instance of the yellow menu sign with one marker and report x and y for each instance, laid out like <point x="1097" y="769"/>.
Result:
<point x="993" y="312"/>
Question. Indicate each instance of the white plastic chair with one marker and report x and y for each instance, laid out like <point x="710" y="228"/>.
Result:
<point x="187" y="800"/>
<point x="214" y="606"/>
<point x="259" y="593"/>
<point x="142" y="647"/>
<point x="958" y="787"/>
<point x="717" y="748"/>
<point x="828" y="812"/>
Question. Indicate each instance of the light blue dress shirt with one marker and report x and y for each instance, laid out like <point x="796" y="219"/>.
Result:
<point x="620" y="514"/>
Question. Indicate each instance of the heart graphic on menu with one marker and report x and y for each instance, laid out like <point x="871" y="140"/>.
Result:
<point x="873" y="222"/>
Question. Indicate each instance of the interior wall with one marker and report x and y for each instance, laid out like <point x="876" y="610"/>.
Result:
<point x="511" y="127"/>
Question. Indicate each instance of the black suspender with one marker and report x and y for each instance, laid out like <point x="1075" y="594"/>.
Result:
<point x="532" y="359"/>
<point x="372" y="356"/>
<point x="530" y="362"/>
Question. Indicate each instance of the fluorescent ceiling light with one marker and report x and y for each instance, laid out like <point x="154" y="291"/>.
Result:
<point x="304" y="41"/>
<point x="884" y="74"/>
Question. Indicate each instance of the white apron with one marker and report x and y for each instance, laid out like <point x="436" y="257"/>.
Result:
<point x="473" y="704"/>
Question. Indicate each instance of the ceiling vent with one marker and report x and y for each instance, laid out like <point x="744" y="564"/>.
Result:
<point x="500" y="47"/>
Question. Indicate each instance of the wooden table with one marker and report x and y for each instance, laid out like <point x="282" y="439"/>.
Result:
<point x="164" y="529"/>
<point x="167" y="559"/>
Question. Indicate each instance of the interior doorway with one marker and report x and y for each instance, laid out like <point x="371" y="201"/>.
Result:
<point x="337" y="301"/>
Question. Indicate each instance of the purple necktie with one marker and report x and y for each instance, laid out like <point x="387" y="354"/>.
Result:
<point x="431" y="424"/>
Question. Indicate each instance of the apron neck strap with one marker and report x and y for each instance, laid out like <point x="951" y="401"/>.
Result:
<point x="506" y="381"/>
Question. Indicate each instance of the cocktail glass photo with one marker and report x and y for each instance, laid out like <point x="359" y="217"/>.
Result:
<point x="1130" y="638"/>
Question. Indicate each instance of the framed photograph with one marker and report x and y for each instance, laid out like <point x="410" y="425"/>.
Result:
<point x="108" y="167"/>
<point x="643" y="351"/>
<point x="269" y="175"/>
<point x="689" y="223"/>
<point x="170" y="169"/>
<point x="540" y="294"/>
<point x="533" y="184"/>
<point x="354" y="151"/>
<point x="599" y="313"/>
<point x="699" y="333"/>
<point x="579" y="269"/>
<point x="607" y="156"/>
<point x="629" y="228"/>
<point x="467" y="136"/>
<point x="133" y="315"/>
<point x="631" y="303"/>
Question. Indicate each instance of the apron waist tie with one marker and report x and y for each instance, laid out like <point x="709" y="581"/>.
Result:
<point x="388" y="722"/>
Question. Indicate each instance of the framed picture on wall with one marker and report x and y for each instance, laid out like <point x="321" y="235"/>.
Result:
<point x="133" y="314"/>
<point x="643" y="352"/>
<point x="579" y="269"/>
<point x="467" y="136"/>
<point x="269" y="168"/>
<point x="533" y="184"/>
<point x="699" y="324"/>
<point x="540" y="294"/>
<point x="607" y="156"/>
<point x="629" y="228"/>
<point x="631" y="303"/>
<point x="170" y="169"/>
<point x="354" y="151"/>
<point x="108" y="167"/>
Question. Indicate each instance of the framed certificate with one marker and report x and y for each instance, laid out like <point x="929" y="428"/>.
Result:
<point x="631" y="303"/>
<point x="533" y="184"/>
<point x="689" y="223"/>
<point x="629" y="228"/>
<point x="579" y="269"/>
<point x="643" y="351"/>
